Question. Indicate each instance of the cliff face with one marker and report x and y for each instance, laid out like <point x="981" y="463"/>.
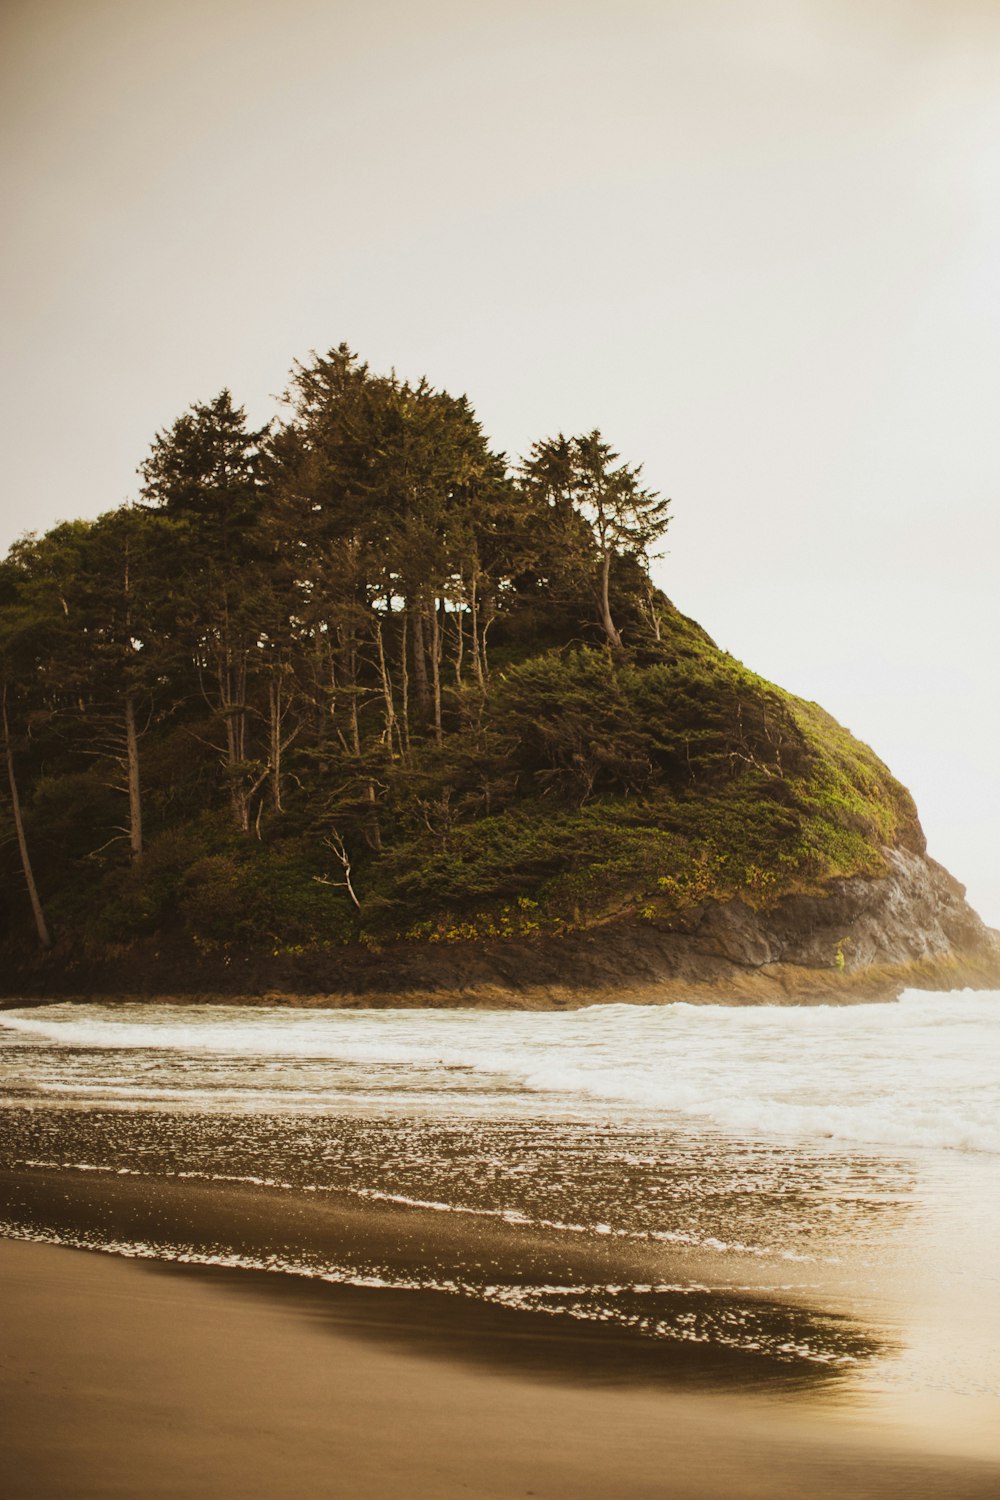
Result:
<point x="917" y="912"/>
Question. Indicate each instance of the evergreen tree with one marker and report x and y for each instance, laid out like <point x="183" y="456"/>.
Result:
<point x="581" y="478"/>
<point x="35" y="578"/>
<point x="204" y="474"/>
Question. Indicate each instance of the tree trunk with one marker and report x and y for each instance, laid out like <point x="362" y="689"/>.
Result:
<point x="232" y="681"/>
<point x="22" y="843"/>
<point x="654" y="615"/>
<point x="489" y="615"/>
<point x="610" y="629"/>
<point x="275" y="715"/>
<point x="436" y="670"/>
<point x="477" y="659"/>
<point x="225" y="655"/>
<point x="405" y="681"/>
<point x="420" y="658"/>
<point x="319" y="691"/>
<point x="134" y="787"/>
<point x="131" y="736"/>
<point x="373" y="833"/>
<point x="352" y="694"/>
<point x="460" y="643"/>
<point x="391" y="727"/>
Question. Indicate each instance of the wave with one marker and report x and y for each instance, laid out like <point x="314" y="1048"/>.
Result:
<point x="915" y="1074"/>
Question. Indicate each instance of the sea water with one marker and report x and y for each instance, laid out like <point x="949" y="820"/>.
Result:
<point x="817" y="1185"/>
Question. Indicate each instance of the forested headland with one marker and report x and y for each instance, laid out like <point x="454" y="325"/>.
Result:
<point x="357" y="679"/>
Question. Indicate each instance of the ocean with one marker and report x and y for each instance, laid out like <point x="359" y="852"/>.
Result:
<point x="802" y="1195"/>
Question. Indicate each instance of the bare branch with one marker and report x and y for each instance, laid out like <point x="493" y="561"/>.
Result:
<point x="336" y="844"/>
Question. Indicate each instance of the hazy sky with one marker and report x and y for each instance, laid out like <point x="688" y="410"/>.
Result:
<point x="757" y="244"/>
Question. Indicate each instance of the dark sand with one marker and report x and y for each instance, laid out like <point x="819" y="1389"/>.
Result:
<point x="125" y="1378"/>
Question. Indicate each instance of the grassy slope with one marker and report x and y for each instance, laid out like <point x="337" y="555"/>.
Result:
<point x="783" y="803"/>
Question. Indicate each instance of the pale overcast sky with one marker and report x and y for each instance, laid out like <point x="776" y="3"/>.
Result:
<point x="757" y="244"/>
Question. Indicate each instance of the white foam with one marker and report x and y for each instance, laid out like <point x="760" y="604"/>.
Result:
<point x="918" y="1074"/>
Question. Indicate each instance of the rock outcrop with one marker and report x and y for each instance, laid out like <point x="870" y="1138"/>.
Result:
<point x="916" y="913"/>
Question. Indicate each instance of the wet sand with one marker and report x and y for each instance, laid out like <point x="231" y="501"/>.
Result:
<point x="407" y="1247"/>
<point x="127" y="1379"/>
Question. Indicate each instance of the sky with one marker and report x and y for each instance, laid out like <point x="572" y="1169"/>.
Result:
<point x="755" y="242"/>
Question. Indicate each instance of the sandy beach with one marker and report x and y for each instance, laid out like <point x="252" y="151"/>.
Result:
<point x="124" y="1378"/>
<point x="275" y="1254"/>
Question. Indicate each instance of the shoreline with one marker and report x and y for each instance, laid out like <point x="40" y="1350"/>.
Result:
<point x="119" y="1378"/>
<point x="729" y="984"/>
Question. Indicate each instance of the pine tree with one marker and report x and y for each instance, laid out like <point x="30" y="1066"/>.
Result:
<point x="581" y="477"/>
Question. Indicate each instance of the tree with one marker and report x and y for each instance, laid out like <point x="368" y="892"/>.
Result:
<point x="581" y="477"/>
<point x="113" y="602"/>
<point x="387" y="488"/>
<point x="205" y="470"/>
<point x="41" y="926"/>
<point x="204" y="474"/>
<point x="29" y="623"/>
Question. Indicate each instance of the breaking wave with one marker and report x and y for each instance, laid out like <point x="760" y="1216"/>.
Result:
<point x="916" y="1074"/>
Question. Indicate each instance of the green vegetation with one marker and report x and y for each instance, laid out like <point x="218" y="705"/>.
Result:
<point x="357" y="678"/>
